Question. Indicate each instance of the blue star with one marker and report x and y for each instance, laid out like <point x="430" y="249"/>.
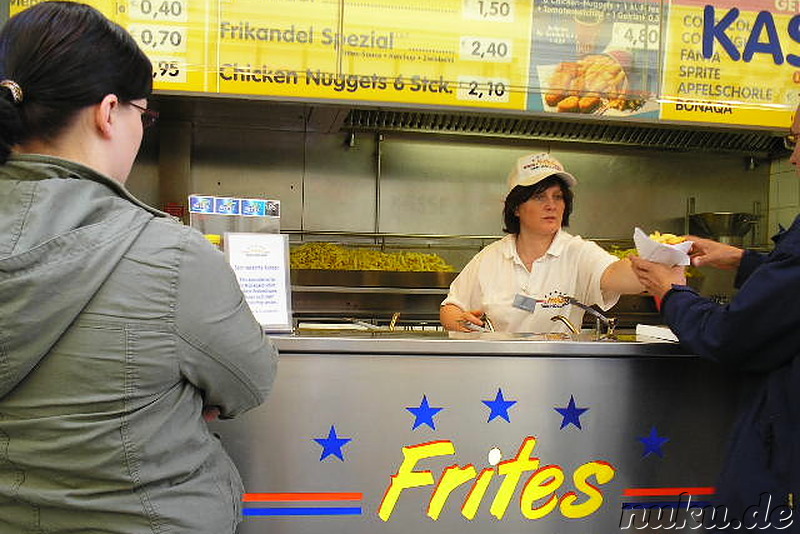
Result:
<point x="571" y="414"/>
<point x="424" y="414"/>
<point x="499" y="406"/>
<point x="332" y="445"/>
<point x="653" y="443"/>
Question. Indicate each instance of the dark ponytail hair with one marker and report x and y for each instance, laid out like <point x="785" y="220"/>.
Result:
<point x="64" y="56"/>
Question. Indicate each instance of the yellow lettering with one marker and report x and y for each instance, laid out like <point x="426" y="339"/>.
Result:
<point x="407" y="478"/>
<point x="513" y="470"/>
<point x="602" y="472"/>
<point x="452" y="478"/>
<point x="476" y="494"/>
<point x="542" y="483"/>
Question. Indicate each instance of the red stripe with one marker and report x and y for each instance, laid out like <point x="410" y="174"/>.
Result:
<point x="652" y="492"/>
<point x="283" y="497"/>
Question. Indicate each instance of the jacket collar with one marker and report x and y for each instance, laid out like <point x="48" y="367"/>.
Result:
<point x="42" y="167"/>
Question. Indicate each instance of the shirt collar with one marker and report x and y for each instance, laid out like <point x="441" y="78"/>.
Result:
<point x="555" y="249"/>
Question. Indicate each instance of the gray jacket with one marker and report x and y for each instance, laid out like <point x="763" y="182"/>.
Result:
<point x="117" y="325"/>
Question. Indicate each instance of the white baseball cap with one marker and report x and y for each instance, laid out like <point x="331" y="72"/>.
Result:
<point x="534" y="168"/>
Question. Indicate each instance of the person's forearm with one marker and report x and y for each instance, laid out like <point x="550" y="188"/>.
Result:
<point x="620" y="278"/>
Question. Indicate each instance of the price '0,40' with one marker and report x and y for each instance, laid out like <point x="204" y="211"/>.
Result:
<point x="172" y="10"/>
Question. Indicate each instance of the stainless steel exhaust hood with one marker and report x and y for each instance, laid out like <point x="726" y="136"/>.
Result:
<point x="761" y="143"/>
<point x="330" y="118"/>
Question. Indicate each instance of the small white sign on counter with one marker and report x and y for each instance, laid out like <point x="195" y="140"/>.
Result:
<point x="261" y="264"/>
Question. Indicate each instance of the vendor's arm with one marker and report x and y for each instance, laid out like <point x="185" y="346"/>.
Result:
<point x="619" y="278"/>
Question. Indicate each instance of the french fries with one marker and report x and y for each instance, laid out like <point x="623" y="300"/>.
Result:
<point x="335" y="257"/>
<point x="667" y="239"/>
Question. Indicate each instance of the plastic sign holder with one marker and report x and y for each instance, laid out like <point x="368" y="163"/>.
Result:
<point x="261" y="264"/>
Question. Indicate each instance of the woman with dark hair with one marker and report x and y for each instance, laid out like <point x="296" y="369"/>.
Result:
<point x="121" y="331"/>
<point x="524" y="280"/>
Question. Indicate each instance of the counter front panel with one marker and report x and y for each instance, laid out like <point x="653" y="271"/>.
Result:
<point x="528" y="437"/>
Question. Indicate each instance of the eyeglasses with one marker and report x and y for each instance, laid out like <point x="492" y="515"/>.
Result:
<point x="790" y="140"/>
<point x="149" y="116"/>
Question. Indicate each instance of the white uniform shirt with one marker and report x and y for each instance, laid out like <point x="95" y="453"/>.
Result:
<point x="572" y="267"/>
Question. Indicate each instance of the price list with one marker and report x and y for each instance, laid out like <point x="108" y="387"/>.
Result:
<point x="175" y="36"/>
<point x="732" y="62"/>
<point x="449" y="52"/>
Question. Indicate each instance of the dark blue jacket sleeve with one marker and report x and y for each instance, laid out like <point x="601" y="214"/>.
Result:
<point x="760" y="329"/>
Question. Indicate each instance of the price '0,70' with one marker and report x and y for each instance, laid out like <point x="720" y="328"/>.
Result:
<point x="164" y="39"/>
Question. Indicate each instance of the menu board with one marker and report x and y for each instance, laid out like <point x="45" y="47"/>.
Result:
<point x="598" y="58"/>
<point x="444" y="53"/>
<point x="732" y="62"/>
<point x="686" y="60"/>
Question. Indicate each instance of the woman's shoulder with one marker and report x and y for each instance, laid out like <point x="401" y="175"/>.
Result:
<point x="500" y="248"/>
<point x="575" y="244"/>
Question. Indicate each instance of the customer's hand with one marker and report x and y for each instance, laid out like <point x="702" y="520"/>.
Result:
<point x="706" y="252"/>
<point x="657" y="278"/>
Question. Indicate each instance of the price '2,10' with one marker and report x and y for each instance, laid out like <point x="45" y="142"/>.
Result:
<point x="482" y="89"/>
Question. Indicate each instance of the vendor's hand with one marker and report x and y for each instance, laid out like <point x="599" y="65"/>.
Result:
<point x="657" y="278"/>
<point x="706" y="252"/>
<point x="455" y="319"/>
<point x="210" y="413"/>
<point x="472" y="317"/>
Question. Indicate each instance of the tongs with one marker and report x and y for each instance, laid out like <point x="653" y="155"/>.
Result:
<point x="610" y="322"/>
<point x="487" y="325"/>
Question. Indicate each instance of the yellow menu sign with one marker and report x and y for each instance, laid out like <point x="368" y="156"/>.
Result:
<point x="448" y="52"/>
<point x="469" y="53"/>
<point x="732" y="62"/>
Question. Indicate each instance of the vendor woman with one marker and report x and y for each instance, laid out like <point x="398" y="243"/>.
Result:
<point x="521" y="282"/>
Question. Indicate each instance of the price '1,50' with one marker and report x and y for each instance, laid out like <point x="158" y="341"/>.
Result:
<point x="482" y="89"/>
<point x="160" y="38"/>
<point x="490" y="10"/>
<point x="486" y="49"/>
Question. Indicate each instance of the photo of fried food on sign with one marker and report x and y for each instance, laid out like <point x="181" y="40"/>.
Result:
<point x="593" y="58"/>
<point x="595" y="83"/>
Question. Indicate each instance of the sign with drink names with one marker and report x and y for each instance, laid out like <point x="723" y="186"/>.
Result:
<point x="732" y="62"/>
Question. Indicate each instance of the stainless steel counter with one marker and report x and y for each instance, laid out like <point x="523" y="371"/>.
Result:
<point x="435" y="342"/>
<point x="379" y="432"/>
